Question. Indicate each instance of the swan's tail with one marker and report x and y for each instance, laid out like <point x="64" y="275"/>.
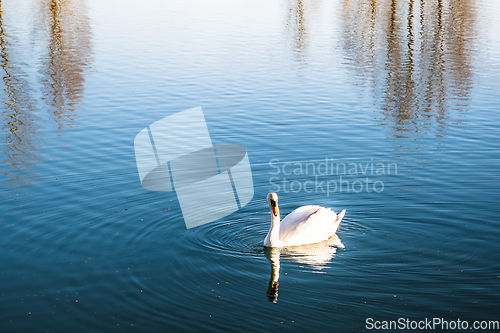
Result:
<point x="339" y="217"/>
<point x="336" y="224"/>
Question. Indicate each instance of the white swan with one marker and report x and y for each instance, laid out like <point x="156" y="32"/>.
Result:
<point x="305" y="225"/>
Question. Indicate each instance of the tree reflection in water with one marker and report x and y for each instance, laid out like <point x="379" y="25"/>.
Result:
<point x="64" y="28"/>
<point x="416" y="57"/>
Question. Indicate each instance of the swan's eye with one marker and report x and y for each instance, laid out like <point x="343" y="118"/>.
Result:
<point x="274" y="207"/>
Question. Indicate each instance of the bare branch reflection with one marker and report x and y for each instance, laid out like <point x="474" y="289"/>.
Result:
<point x="68" y="54"/>
<point x="415" y="55"/>
<point x="20" y="120"/>
<point x="297" y="26"/>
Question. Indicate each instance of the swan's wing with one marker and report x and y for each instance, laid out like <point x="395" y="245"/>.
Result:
<point x="299" y="215"/>
<point x="308" y="224"/>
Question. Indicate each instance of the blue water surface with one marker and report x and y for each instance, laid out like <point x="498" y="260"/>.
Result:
<point x="404" y="94"/>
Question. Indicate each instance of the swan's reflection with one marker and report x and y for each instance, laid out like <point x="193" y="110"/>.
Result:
<point x="317" y="256"/>
<point x="273" y="254"/>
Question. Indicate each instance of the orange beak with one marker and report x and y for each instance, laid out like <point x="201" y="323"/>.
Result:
<point x="275" y="210"/>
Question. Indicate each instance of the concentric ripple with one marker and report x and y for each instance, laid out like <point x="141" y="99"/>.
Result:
<point x="239" y="237"/>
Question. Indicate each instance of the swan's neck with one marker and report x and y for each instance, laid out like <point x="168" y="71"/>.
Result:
<point x="274" y="233"/>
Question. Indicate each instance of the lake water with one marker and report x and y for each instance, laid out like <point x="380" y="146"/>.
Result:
<point x="403" y="93"/>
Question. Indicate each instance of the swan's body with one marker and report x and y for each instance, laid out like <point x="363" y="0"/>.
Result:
<point x="305" y="225"/>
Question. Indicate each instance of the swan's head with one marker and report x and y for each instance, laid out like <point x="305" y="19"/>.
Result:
<point x="272" y="200"/>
